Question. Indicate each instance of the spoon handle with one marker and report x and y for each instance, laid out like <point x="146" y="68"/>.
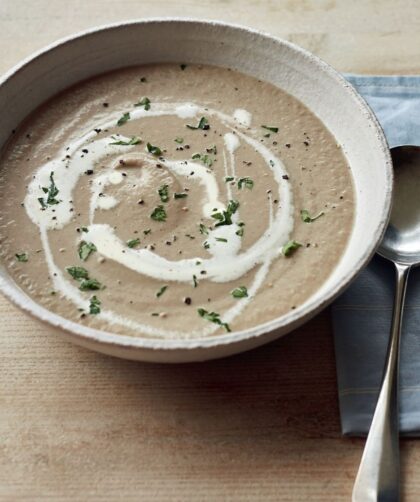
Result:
<point x="379" y="472"/>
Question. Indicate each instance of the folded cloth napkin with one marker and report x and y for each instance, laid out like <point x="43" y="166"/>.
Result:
<point x="362" y="315"/>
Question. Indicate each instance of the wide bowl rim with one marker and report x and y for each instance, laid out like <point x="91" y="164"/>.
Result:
<point x="292" y="319"/>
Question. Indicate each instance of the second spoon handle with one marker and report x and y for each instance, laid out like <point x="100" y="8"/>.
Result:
<point x="379" y="472"/>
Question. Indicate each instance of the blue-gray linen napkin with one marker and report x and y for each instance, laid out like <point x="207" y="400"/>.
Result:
<point x="362" y="315"/>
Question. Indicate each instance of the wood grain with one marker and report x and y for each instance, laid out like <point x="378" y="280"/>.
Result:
<point x="75" y="425"/>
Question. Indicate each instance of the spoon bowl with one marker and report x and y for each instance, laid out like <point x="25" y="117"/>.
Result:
<point x="401" y="242"/>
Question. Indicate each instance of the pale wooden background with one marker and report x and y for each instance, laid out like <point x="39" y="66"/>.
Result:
<point x="75" y="425"/>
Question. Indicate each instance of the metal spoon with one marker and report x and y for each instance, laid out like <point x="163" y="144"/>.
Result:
<point x="379" y="472"/>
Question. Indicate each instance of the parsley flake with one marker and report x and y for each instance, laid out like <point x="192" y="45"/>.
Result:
<point x="270" y="128"/>
<point x="179" y="140"/>
<point x="94" y="305"/>
<point x="306" y="218"/>
<point x="246" y="182"/>
<point x="203" y="229"/>
<point x="52" y="192"/>
<point x="132" y="243"/>
<point x="163" y="192"/>
<point x="154" y="150"/>
<point x="134" y="140"/>
<point x="204" y="158"/>
<point x="85" y="250"/>
<point x="123" y="119"/>
<point x="158" y="214"/>
<point x="161" y="291"/>
<point x="22" y="257"/>
<point x="289" y="248"/>
<point x="180" y="195"/>
<point x="225" y="217"/>
<point x="78" y="272"/>
<point x="203" y="124"/>
<point x="213" y="317"/>
<point x="90" y="285"/>
<point x="82" y="275"/>
<point x="145" y="102"/>
<point x="240" y="292"/>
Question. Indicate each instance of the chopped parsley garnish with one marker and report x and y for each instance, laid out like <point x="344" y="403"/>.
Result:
<point x="161" y="291"/>
<point x="154" y="150"/>
<point x="203" y="229"/>
<point x="84" y="229"/>
<point x="246" y="182"/>
<point x="123" y="119"/>
<point x="271" y="162"/>
<point x="206" y="159"/>
<point x="158" y="214"/>
<point x="132" y="243"/>
<point x="270" y="128"/>
<point x="95" y="305"/>
<point x="289" y="248"/>
<point x="213" y="317"/>
<point x="145" y="102"/>
<point x="22" y="257"/>
<point x="179" y="140"/>
<point x="52" y="192"/>
<point x="78" y="272"/>
<point x="82" y="275"/>
<point x="240" y="292"/>
<point x="180" y="195"/>
<point x="206" y="245"/>
<point x="195" y="282"/>
<point x="85" y="250"/>
<point x="225" y="217"/>
<point x="183" y="66"/>
<point x="147" y="231"/>
<point x="134" y="140"/>
<point x="229" y="178"/>
<point x="221" y="239"/>
<point x="202" y="124"/>
<point x="306" y="218"/>
<point x="90" y="285"/>
<point x="163" y="192"/>
<point x="42" y="202"/>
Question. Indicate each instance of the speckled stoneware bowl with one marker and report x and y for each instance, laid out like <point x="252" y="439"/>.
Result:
<point x="317" y="85"/>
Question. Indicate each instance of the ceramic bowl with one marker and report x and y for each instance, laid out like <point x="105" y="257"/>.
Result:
<point x="322" y="89"/>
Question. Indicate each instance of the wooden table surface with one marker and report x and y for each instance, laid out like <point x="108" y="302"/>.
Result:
<point x="261" y="426"/>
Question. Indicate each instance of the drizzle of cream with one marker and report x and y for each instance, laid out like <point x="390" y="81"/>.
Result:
<point x="106" y="202"/>
<point x="187" y="110"/>
<point x="242" y="116"/>
<point x="232" y="144"/>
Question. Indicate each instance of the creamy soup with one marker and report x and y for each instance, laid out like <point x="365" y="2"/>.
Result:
<point x="173" y="201"/>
